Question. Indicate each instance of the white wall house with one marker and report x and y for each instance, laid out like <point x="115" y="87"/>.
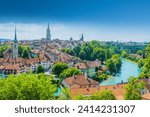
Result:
<point x="46" y="64"/>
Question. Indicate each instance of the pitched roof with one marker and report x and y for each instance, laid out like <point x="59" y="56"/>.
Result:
<point x="83" y="91"/>
<point x="146" y="96"/>
<point x="9" y="50"/>
<point x="118" y="90"/>
<point x="80" y="65"/>
<point x="79" y="80"/>
<point x="93" y="64"/>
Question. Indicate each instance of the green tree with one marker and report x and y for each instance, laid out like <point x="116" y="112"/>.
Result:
<point x="145" y="63"/>
<point x="20" y="50"/>
<point x="82" y="97"/>
<point x="133" y="89"/>
<point x="98" y="53"/>
<point x="40" y="69"/>
<point x="69" y="51"/>
<point x="124" y="54"/>
<point x="114" y="64"/>
<point x="77" y="50"/>
<point x="102" y="76"/>
<point x="147" y="49"/>
<point x="27" y="87"/>
<point x="140" y="62"/>
<point x="103" y="95"/>
<point x="111" y="66"/>
<point x="82" y="55"/>
<point x="65" y="94"/>
<point x="88" y="51"/>
<point x="70" y="72"/>
<point x="140" y="52"/>
<point x="59" y="67"/>
<point x="146" y="67"/>
<point x="25" y="53"/>
<point x="2" y="49"/>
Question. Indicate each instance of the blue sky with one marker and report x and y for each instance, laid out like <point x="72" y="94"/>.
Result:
<point x="122" y="20"/>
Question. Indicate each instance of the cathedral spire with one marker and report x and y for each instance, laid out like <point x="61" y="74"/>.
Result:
<point x="82" y="38"/>
<point x="15" y="45"/>
<point x="15" y="39"/>
<point x="48" y="34"/>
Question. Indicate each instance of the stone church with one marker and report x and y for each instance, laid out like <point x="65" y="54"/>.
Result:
<point x="13" y="51"/>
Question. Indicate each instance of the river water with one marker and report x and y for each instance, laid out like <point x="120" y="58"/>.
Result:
<point x="128" y="69"/>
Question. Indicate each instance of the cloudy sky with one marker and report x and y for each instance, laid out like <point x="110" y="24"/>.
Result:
<point x="117" y="20"/>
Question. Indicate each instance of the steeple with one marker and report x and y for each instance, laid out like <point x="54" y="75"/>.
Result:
<point x="15" y="39"/>
<point x="48" y="34"/>
<point x="82" y="38"/>
<point x="15" y="45"/>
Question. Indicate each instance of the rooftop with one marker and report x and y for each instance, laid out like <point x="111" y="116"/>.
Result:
<point x="79" y="80"/>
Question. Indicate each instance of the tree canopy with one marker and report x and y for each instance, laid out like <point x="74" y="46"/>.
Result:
<point x="59" y="67"/>
<point x="70" y="72"/>
<point x="24" y="51"/>
<point x="68" y="51"/>
<point x="145" y="64"/>
<point x="40" y="69"/>
<point x="114" y="64"/>
<point x="27" y="87"/>
<point x="133" y="89"/>
<point x="102" y="95"/>
<point x="93" y="50"/>
<point x="2" y="49"/>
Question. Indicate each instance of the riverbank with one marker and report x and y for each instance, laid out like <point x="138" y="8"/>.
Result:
<point x="131" y="60"/>
<point x="128" y="69"/>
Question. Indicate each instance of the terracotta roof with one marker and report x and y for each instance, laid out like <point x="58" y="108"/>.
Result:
<point x="12" y="67"/>
<point x="93" y="64"/>
<point x="120" y="97"/>
<point x="79" y="80"/>
<point x="80" y="65"/>
<point x="83" y="91"/>
<point x="63" y="57"/>
<point x="146" y="96"/>
<point x="118" y="90"/>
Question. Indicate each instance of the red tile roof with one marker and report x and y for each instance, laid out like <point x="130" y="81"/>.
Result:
<point x="80" y="65"/>
<point x="146" y="96"/>
<point x="118" y="90"/>
<point x="80" y="81"/>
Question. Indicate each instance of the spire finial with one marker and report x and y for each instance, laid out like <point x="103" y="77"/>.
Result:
<point x="15" y="39"/>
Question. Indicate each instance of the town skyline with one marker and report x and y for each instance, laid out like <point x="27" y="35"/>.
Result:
<point x="104" y="20"/>
<point x="31" y="31"/>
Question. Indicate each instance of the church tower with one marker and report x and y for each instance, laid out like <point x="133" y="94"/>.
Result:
<point x="15" y="46"/>
<point x="82" y="38"/>
<point x="48" y="34"/>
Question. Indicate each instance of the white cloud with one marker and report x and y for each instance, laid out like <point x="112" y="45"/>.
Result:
<point x="65" y="31"/>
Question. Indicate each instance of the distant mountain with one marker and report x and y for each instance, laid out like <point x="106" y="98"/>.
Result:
<point x="3" y="40"/>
